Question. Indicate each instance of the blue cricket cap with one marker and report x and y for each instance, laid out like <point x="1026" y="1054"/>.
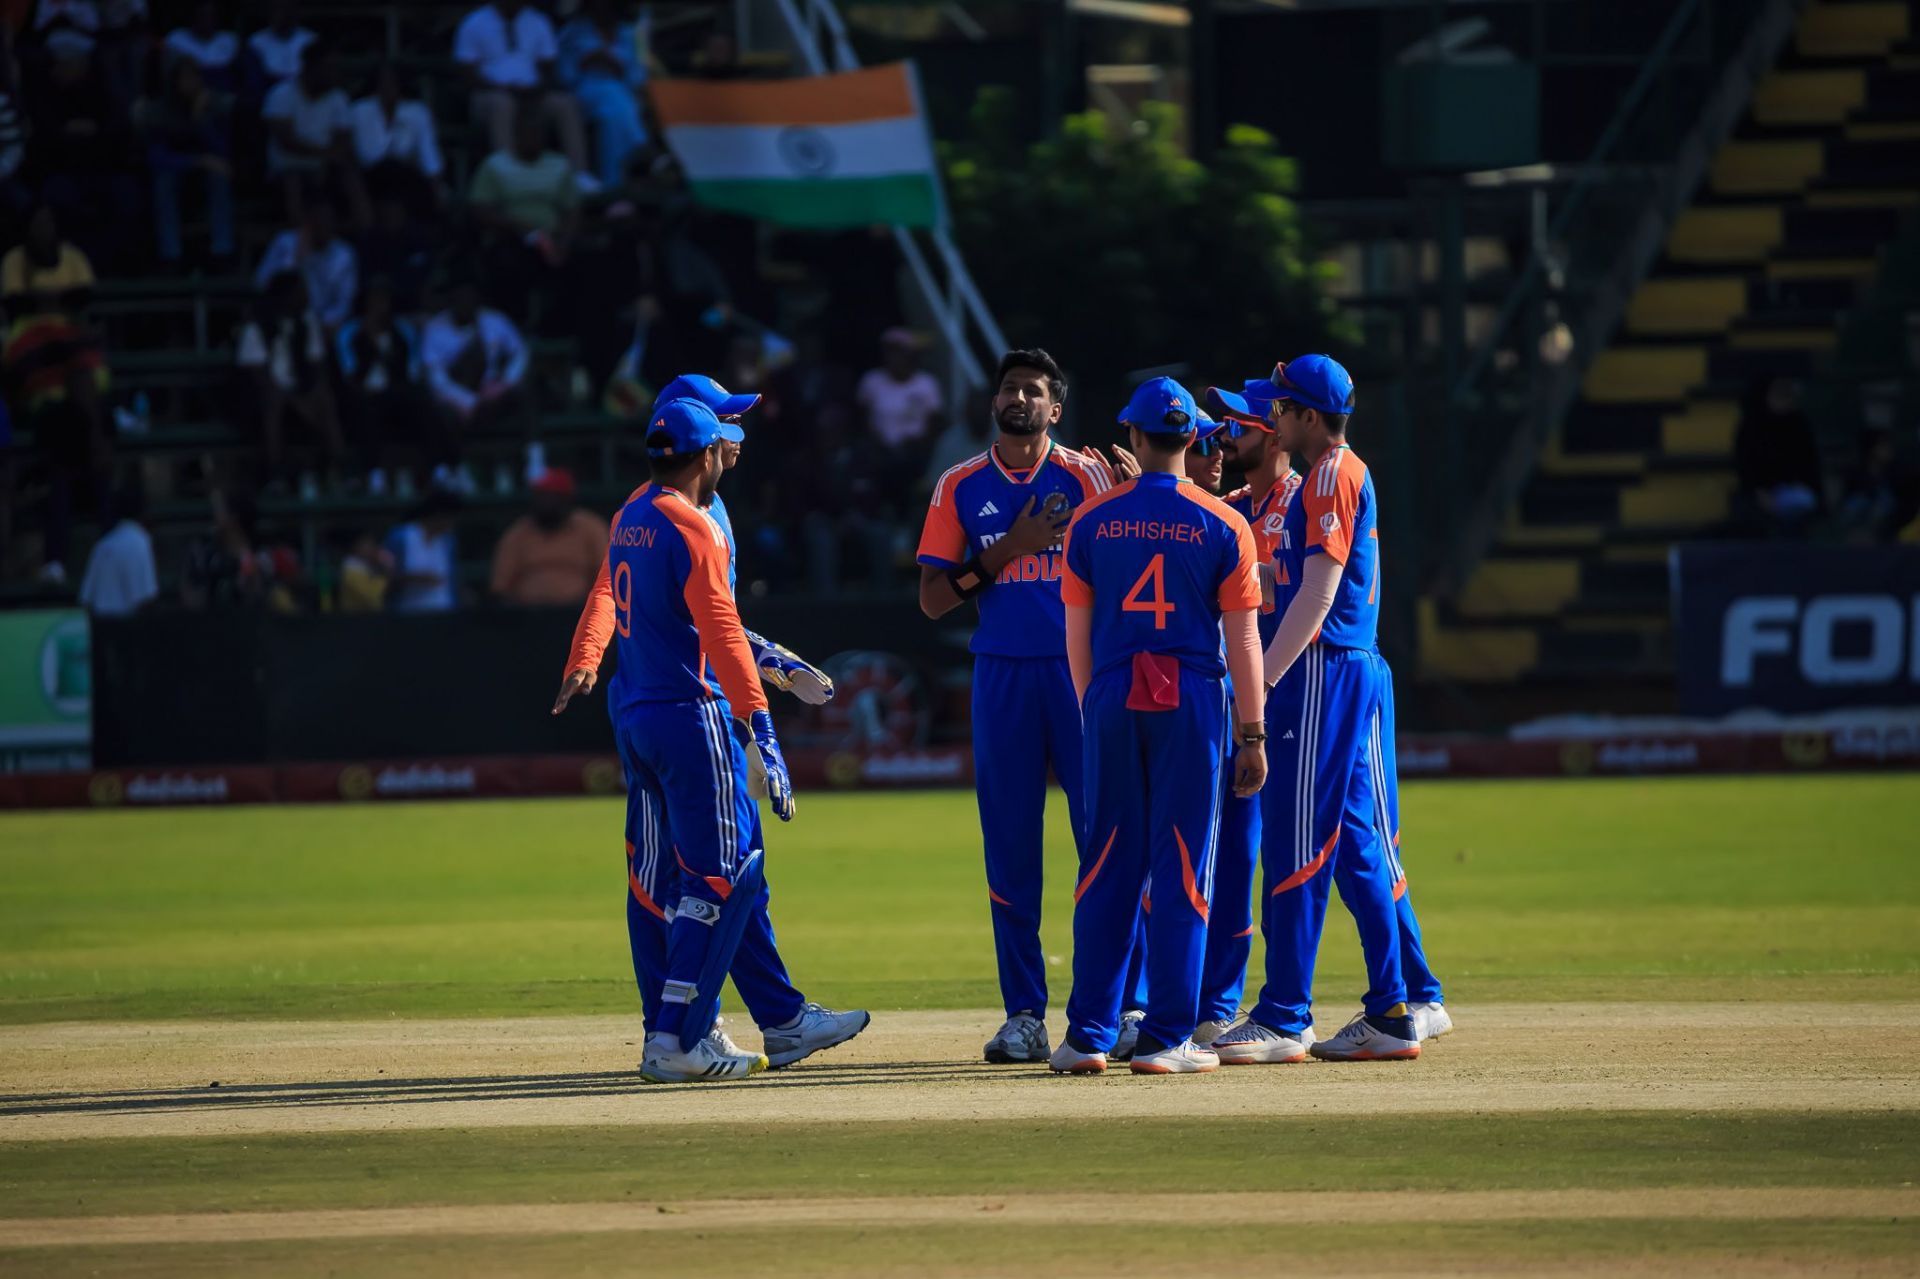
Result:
<point x="1157" y="399"/>
<point x="1210" y="427"/>
<point x="1248" y="405"/>
<point x="1317" y="381"/>
<point x="690" y="425"/>
<point x="698" y="386"/>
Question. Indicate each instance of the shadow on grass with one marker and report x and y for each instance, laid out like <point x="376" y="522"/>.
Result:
<point x="397" y="1092"/>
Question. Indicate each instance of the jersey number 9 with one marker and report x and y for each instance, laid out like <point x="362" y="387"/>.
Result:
<point x="623" y="600"/>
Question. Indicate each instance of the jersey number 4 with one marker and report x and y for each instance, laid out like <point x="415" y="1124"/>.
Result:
<point x="1157" y="603"/>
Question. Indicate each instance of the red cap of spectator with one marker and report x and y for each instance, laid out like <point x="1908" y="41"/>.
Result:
<point x="555" y="479"/>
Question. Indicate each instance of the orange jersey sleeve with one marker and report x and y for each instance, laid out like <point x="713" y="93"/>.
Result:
<point x="941" y="537"/>
<point x="594" y="631"/>
<point x="715" y="615"/>
<point x="1241" y="589"/>
<point x="1331" y="493"/>
<point x="1075" y="591"/>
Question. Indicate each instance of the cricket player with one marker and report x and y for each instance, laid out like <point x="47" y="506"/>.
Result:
<point x="1270" y="485"/>
<point x="1324" y="827"/>
<point x="685" y="669"/>
<point x="992" y="535"/>
<point x="1206" y="465"/>
<point x="1425" y="1000"/>
<point x="791" y="1026"/>
<point x="1155" y="572"/>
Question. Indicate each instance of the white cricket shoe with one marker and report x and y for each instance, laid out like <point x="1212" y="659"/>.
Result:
<point x="663" y="1062"/>
<point x="1371" y="1039"/>
<point x="723" y="1042"/>
<point x="816" y="1028"/>
<point x="1184" y="1058"/>
<point x="1023" y="1037"/>
<point x="1251" y="1044"/>
<point x="1207" y="1031"/>
<point x="1430" y="1021"/>
<point x="1068" y="1060"/>
<point x="1129" y="1034"/>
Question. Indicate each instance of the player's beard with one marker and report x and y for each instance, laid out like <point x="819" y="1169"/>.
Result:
<point x="1015" y="421"/>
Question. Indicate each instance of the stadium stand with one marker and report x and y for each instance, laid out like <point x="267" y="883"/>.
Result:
<point x="1759" y="280"/>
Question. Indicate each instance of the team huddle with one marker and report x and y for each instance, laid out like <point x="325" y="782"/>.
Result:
<point x="1201" y="675"/>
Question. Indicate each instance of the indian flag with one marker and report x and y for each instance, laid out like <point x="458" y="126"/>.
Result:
<point x="825" y="151"/>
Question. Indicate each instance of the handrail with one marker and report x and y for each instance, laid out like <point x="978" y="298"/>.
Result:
<point x="1590" y="170"/>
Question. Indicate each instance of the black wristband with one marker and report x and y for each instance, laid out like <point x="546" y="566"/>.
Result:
<point x="969" y="579"/>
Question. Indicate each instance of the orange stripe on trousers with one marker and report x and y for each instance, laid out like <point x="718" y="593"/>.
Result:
<point x="1099" y="862"/>
<point x="1305" y="873"/>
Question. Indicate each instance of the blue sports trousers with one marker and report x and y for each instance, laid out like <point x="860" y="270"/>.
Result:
<point x="689" y="821"/>
<point x="1025" y="720"/>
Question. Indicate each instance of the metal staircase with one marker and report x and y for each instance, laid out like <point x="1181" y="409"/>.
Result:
<point x="815" y="35"/>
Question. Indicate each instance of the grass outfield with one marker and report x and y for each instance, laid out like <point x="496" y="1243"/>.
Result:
<point x="1718" y="888"/>
<point x="1606" y="1107"/>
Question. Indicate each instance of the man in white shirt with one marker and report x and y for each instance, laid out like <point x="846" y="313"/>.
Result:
<point x="902" y="402"/>
<point x="277" y="46"/>
<point x="508" y="49"/>
<point x="476" y="366"/>
<point x="324" y="261"/>
<point x="310" y="138"/>
<point x="393" y="139"/>
<point x="284" y="353"/>
<point x="120" y="578"/>
<point x="426" y="564"/>
<point x="214" y="50"/>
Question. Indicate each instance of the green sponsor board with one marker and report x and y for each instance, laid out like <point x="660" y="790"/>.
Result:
<point x="46" y="689"/>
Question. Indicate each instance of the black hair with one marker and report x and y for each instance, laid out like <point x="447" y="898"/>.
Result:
<point x="664" y="467"/>
<point x="1166" y="441"/>
<point x="129" y="502"/>
<point x="1034" y="358"/>
<point x="1336" y="422"/>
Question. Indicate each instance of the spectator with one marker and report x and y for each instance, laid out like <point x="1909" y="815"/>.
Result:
<point x="209" y="46"/>
<point x="393" y="140"/>
<point x="1775" y="457"/>
<point x="401" y="249"/>
<point x="79" y="144"/>
<point x="55" y="373"/>
<point x="326" y="264"/>
<point x="186" y="133"/>
<point x="230" y="568"/>
<point x="275" y="51"/>
<point x="120" y="578"/>
<point x="523" y="202"/>
<point x="365" y="574"/>
<point x="311" y="135"/>
<point x="902" y="405"/>
<point x="67" y="28"/>
<point x="1870" y="501"/>
<point x="551" y="555"/>
<point x="284" y="351"/>
<point x="476" y="364"/>
<point x="425" y="559"/>
<point x="508" y="50"/>
<point x="600" y="61"/>
<point x="125" y="42"/>
<point x="379" y="360"/>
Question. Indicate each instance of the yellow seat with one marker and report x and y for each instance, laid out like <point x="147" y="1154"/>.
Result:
<point x="1771" y="166"/>
<point x="1744" y="234"/>
<point x="1635" y="374"/>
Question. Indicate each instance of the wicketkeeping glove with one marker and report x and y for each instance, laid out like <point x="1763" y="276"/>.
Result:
<point x="784" y="669"/>
<point x="764" y="756"/>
